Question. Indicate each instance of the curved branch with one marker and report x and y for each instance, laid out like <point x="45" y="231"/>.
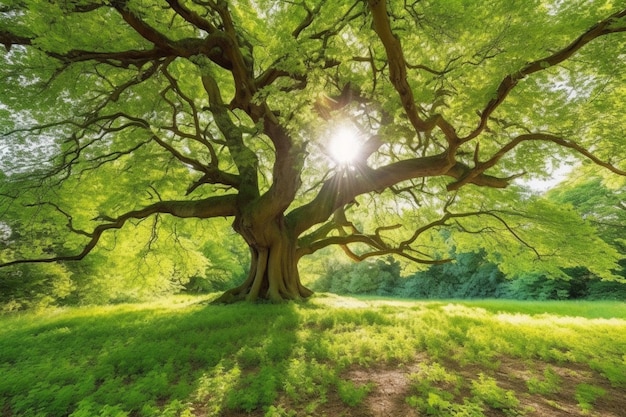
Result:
<point x="397" y="63"/>
<point x="245" y="159"/>
<point x="412" y="258"/>
<point x="342" y="188"/>
<point x="9" y="39"/>
<point x="381" y="248"/>
<point x="512" y="232"/>
<point x="344" y="241"/>
<point x="126" y="58"/>
<point x="70" y="224"/>
<point x="308" y="20"/>
<point x="191" y="16"/>
<point x="470" y="174"/>
<point x="211" y="174"/>
<point x="206" y="208"/>
<point x="604" y="27"/>
<point x="141" y="27"/>
<point x="92" y="120"/>
<point x="213" y="46"/>
<point x="398" y="74"/>
<point x="105" y="124"/>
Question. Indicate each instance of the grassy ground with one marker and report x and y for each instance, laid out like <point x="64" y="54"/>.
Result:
<point x="331" y="356"/>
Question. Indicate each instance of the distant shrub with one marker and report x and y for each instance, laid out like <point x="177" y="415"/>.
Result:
<point x="380" y="277"/>
<point x="34" y="286"/>
<point x="534" y="287"/>
<point x="469" y="276"/>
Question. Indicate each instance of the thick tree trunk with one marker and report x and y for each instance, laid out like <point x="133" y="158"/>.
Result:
<point x="273" y="272"/>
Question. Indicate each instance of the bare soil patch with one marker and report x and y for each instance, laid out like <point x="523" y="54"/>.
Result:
<point x="390" y="388"/>
<point x="391" y="385"/>
<point x="514" y="375"/>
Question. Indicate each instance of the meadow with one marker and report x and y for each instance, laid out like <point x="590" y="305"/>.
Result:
<point x="329" y="356"/>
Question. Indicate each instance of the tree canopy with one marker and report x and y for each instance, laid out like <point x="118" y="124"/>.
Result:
<point x="383" y="127"/>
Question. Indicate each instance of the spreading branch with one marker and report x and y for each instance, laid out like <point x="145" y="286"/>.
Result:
<point x="605" y="27"/>
<point x="219" y="206"/>
<point x="470" y="174"/>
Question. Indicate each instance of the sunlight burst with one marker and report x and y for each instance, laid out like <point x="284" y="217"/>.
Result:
<point x="345" y="145"/>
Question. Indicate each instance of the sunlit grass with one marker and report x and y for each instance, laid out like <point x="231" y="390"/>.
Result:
<point x="182" y="357"/>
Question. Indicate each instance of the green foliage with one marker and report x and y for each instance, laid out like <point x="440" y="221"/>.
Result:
<point x="587" y="395"/>
<point x="470" y="276"/>
<point x="598" y="200"/>
<point x="255" y="391"/>
<point x="228" y="263"/>
<point x="279" y="411"/>
<point x="379" y="277"/>
<point x="543" y="248"/>
<point x="601" y="290"/>
<point x="215" y="386"/>
<point x="439" y="391"/>
<point x="114" y="107"/>
<point x="149" y="264"/>
<point x="34" y="286"/>
<point x="436" y="389"/>
<point x="486" y="389"/>
<point x="535" y="287"/>
<point x="481" y="274"/>
<point x="352" y="394"/>
<point x="549" y="384"/>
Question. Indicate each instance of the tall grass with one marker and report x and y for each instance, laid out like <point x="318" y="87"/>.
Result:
<point x="181" y="357"/>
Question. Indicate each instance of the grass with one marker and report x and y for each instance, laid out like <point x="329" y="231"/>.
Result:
<point x="181" y="357"/>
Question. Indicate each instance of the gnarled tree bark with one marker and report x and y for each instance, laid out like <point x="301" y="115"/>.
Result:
<point x="273" y="271"/>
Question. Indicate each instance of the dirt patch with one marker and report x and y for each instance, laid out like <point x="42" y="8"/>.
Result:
<point x="514" y="375"/>
<point x="391" y="385"/>
<point x="389" y="390"/>
<point x="386" y="398"/>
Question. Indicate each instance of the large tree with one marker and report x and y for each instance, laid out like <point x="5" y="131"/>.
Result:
<point x="113" y="111"/>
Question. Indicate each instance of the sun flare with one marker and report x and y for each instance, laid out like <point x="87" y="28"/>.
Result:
<point x="345" y="145"/>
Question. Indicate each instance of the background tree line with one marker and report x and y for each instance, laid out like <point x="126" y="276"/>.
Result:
<point x="471" y="276"/>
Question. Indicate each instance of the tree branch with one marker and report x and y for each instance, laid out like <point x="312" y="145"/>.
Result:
<point x="470" y="174"/>
<point x="398" y="74"/>
<point x="372" y="241"/>
<point x="206" y="208"/>
<point x="604" y="27"/>
<point x="342" y="188"/>
<point x="9" y="39"/>
<point x="192" y="17"/>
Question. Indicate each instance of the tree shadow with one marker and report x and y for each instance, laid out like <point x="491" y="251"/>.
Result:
<point x="146" y="361"/>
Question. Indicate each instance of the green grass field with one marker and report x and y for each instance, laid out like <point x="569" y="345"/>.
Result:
<point x="330" y="356"/>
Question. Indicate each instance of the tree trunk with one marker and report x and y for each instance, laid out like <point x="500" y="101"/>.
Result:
<point x="273" y="272"/>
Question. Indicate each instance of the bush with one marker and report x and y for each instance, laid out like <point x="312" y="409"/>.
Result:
<point x="380" y="277"/>
<point x="469" y="276"/>
<point x="534" y="287"/>
<point x="34" y="286"/>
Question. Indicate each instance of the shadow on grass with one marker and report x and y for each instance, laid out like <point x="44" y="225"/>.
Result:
<point x="150" y="361"/>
